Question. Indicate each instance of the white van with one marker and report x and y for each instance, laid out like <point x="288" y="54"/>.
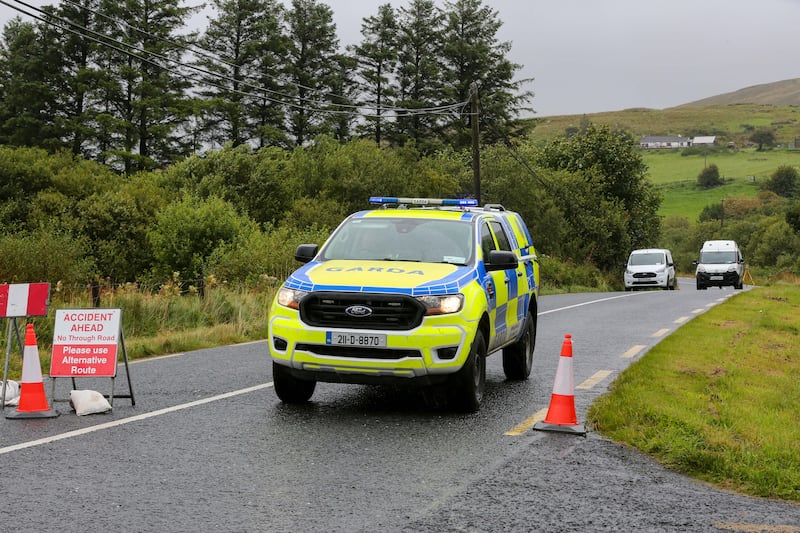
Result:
<point x="650" y="267"/>
<point x="720" y="264"/>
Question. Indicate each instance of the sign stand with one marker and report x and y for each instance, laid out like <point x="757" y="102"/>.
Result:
<point x="20" y="300"/>
<point x="85" y="344"/>
<point x="12" y="328"/>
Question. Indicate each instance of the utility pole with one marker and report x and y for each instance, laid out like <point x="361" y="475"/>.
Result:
<point x="476" y="159"/>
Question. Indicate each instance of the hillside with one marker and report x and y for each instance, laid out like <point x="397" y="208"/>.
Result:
<point x="730" y="123"/>
<point x="779" y="93"/>
<point x="732" y="117"/>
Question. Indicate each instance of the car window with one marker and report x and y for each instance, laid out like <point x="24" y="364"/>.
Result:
<point x="500" y="235"/>
<point x="487" y="241"/>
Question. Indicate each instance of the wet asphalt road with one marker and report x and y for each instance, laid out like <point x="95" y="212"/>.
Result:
<point x="208" y="447"/>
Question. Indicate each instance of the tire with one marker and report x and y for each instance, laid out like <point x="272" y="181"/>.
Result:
<point x="290" y="389"/>
<point x="469" y="383"/>
<point x="518" y="357"/>
<point x="671" y="286"/>
<point x="700" y="286"/>
<point x="738" y="285"/>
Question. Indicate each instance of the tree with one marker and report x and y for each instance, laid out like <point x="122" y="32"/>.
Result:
<point x="311" y="69"/>
<point x="30" y="65"/>
<point x="377" y="58"/>
<point x="80" y="75"/>
<point x="615" y="172"/>
<point x="419" y="73"/>
<point x="783" y="181"/>
<point x="763" y="138"/>
<point x="472" y="54"/>
<point x="709" y="177"/>
<point x="243" y="94"/>
<point x="144" y="102"/>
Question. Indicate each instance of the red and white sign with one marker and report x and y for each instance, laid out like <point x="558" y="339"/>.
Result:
<point x="24" y="299"/>
<point x="85" y="343"/>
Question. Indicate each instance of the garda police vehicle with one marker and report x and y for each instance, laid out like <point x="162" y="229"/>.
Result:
<point x="418" y="291"/>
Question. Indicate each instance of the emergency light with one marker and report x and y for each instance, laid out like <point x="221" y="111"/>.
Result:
<point x="454" y="202"/>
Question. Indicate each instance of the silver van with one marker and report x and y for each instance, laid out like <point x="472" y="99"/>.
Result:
<point x="650" y="267"/>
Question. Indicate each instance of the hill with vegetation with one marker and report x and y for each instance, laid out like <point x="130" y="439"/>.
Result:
<point x="730" y="123"/>
<point x="779" y="93"/>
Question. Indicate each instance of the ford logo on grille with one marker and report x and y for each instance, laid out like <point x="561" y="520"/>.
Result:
<point x="359" y="311"/>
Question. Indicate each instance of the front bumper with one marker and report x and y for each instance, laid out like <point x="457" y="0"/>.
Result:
<point x="717" y="279"/>
<point x="645" y="279"/>
<point x="426" y="354"/>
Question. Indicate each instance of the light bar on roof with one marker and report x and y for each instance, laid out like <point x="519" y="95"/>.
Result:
<point x="455" y="202"/>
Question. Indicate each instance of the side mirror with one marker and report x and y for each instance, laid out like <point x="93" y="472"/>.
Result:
<point x="306" y="252"/>
<point x="694" y="262"/>
<point x="501" y="260"/>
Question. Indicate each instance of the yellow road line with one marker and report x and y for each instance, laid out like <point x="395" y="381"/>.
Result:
<point x="596" y="378"/>
<point x="633" y="350"/>
<point x="681" y="320"/>
<point x="527" y="423"/>
<point x="660" y="333"/>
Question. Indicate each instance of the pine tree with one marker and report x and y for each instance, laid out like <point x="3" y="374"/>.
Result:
<point x="377" y="58"/>
<point x="419" y="72"/>
<point x="78" y="46"/>
<point x="472" y="53"/>
<point x="242" y="100"/>
<point x="144" y="97"/>
<point x="29" y="73"/>
<point x="311" y="71"/>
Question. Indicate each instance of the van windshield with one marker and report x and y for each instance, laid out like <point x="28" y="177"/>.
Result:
<point x="653" y="258"/>
<point x="717" y="258"/>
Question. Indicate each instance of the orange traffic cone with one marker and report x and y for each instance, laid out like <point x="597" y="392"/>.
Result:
<point x="561" y="413"/>
<point x="32" y="400"/>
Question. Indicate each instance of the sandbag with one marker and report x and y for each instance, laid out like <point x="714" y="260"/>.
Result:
<point x="12" y="392"/>
<point x="88" y="402"/>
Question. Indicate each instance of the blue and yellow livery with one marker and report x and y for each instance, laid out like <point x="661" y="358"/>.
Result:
<point x="416" y="292"/>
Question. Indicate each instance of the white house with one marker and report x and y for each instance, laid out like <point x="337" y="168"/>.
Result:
<point x="664" y="141"/>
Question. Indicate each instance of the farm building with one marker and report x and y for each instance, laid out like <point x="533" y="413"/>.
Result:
<point x="708" y="140"/>
<point x="649" y="142"/>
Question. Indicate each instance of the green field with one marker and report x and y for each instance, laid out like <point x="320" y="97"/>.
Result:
<point x="742" y="168"/>
<point x="743" y="171"/>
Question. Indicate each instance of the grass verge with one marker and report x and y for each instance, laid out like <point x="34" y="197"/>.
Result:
<point x="719" y="399"/>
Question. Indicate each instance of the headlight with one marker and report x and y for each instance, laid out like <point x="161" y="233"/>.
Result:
<point x="442" y="305"/>
<point x="290" y="297"/>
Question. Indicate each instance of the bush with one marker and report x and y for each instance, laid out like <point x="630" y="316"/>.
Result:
<point x="709" y="177"/>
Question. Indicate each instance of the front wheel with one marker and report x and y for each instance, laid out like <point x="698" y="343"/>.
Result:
<point x="518" y="357"/>
<point x="469" y="383"/>
<point x="290" y="389"/>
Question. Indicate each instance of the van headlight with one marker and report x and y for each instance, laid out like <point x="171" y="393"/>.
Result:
<point x="290" y="297"/>
<point x="442" y="305"/>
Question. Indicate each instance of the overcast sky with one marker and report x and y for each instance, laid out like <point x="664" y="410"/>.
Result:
<point x="588" y="56"/>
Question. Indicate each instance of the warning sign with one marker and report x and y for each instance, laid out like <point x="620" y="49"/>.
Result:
<point x="85" y="343"/>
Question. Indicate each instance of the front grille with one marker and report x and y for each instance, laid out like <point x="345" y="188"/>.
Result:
<point x="388" y="311"/>
<point x="644" y="275"/>
<point x="357" y="352"/>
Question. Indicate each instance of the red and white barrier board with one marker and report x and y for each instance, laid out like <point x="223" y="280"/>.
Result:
<point x="24" y="299"/>
<point x="85" y="343"/>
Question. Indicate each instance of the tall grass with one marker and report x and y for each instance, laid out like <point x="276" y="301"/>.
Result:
<point x="166" y="321"/>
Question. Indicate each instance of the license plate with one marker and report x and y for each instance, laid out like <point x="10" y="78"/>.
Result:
<point x="374" y="340"/>
<point x="715" y="278"/>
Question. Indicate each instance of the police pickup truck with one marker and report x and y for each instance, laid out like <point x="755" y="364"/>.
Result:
<point x="417" y="291"/>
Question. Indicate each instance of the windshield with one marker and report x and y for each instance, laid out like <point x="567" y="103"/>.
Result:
<point x="717" y="258"/>
<point x="652" y="258"/>
<point x="402" y="239"/>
